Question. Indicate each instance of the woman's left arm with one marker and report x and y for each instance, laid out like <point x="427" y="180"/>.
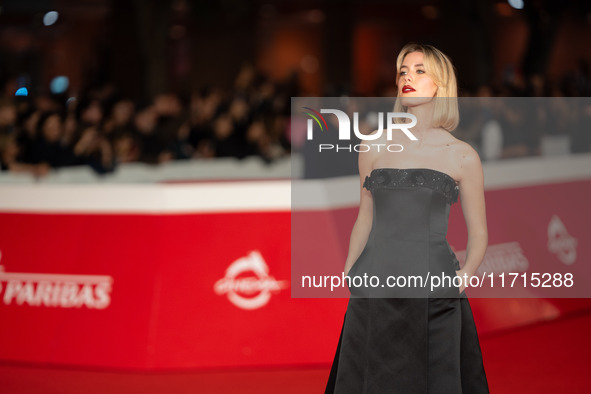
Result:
<point x="474" y="210"/>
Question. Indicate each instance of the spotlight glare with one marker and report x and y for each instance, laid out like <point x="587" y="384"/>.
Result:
<point x="517" y="4"/>
<point x="59" y="84"/>
<point x="22" y="92"/>
<point x="50" y="18"/>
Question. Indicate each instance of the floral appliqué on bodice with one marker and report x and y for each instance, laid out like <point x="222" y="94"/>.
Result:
<point x="390" y="178"/>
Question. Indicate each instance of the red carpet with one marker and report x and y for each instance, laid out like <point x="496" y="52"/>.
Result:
<point x="551" y="357"/>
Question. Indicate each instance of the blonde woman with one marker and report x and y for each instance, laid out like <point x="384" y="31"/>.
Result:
<point x="414" y="339"/>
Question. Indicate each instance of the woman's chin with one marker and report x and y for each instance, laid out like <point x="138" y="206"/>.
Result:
<point x="414" y="101"/>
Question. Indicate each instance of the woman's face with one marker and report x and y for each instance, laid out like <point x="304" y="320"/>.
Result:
<point x="415" y="86"/>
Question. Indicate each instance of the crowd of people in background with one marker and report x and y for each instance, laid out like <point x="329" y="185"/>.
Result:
<point x="101" y="129"/>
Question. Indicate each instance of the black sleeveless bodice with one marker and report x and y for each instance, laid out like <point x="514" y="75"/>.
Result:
<point x="408" y="234"/>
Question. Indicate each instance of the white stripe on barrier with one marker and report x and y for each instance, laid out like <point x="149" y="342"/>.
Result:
<point x="248" y="196"/>
<point x="156" y="199"/>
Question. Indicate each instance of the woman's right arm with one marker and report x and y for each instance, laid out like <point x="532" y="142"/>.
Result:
<point x="362" y="226"/>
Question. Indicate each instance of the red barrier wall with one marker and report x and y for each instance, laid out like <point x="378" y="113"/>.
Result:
<point x="208" y="288"/>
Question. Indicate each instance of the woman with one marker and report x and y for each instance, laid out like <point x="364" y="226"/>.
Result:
<point x="414" y="340"/>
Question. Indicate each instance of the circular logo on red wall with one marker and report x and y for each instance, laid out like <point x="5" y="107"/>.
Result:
<point x="247" y="282"/>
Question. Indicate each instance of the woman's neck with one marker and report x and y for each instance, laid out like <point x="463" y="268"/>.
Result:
<point x="424" y="114"/>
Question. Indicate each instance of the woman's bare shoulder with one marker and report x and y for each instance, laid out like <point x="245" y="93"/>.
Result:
<point x="467" y="153"/>
<point x="467" y="160"/>
<point x="463" y="156"/>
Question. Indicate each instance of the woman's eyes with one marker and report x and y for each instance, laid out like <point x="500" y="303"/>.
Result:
<point x="418" y="72"/>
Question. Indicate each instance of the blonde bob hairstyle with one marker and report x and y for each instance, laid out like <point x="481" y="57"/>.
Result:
<point x="438" y="66"/>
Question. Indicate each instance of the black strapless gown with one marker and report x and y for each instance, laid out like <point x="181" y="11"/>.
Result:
<point x="407" y="341"/>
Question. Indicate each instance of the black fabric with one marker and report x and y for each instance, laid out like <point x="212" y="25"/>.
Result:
<point x="415" y="339"/>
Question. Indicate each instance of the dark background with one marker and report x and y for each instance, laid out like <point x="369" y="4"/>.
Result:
<point x="331" y="47"/>
<point x="155" y="81"/>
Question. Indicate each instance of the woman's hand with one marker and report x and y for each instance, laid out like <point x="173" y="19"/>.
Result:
<point x="464" y="279"/>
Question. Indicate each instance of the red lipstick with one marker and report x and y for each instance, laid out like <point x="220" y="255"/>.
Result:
<point x="407" y="89"/>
